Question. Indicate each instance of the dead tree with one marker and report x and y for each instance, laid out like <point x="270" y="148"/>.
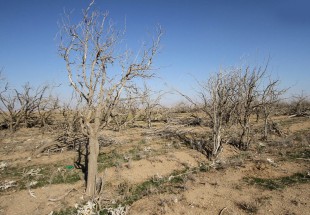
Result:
<point x="29" y="99"/>
<point x="89" y="51"/>
<point x="127" y="109"/>
<point x="10" y="114"/>
<point x="150" y="100"/>
<point x="69" y="116"/>
<point x="269" y="99"/>
<point x="300" y="105"/>
<point x="47" y="108"/>
<point x="218" y="101"/>
<point x="248" y="92"/>
<point x="218" y="96"/>
<point x="19" y="107"/>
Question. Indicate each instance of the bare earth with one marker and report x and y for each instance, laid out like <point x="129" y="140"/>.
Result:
<point x="228" y="185"/>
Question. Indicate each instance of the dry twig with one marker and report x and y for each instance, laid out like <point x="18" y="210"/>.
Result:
<point x="63" y="196"/>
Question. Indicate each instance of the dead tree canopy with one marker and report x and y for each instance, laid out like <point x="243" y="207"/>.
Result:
<point x="270" y="97"/>
<point x="217" y="98"/>
<point x="99" y="70"/>
<point x="28" y="106"/>
<point x="219" y="103"/>
<point x="300" y="106"/>
<point x="150" y="100"/>
<point x="232" y="96"/>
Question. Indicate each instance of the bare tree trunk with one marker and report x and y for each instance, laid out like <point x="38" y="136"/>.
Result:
<point x="245" y="139"/>
<point x="265" y="129"/>
<point x="266" y="117"/>
<point x="242" y="139"/>
<point x="149" y="124"/>
<point x="11" y="126"/>
<point x="92" y="165"/>
<point x="257" y="114"/>
<point x="217" y="139"/>
<point x="217" y="121"/>
<point x="149" y="120"/>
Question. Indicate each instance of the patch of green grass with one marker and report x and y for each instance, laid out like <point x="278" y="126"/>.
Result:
<point x="115" y="159"/>
<point x="48" y="177"/>
<point x="178" y="180"/>
<point x="11" y="172"/>
<point x="69" y="177"/>
<point x="66" y="211"/>
<point x="171" y="183"/>
<point x="131" y="193"/>
<point x="111" y="159"/>
<point x="144" y="189"/>
<point x="104" y="212"/>
<point x="142" y="142"/>
<point x="136" y="153"/>
<point x="278" y="183"/>
<point x="47" y="174"/>
<point x="304" y="154"/>
<point x="203" y="167"/>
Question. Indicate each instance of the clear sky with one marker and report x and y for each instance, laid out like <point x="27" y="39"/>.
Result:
<point x="200" y="37"/>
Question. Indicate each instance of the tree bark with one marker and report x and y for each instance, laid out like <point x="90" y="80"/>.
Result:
<point x="149" y="120"/>
<point x="92" y="165"/>
<point x="216" y="139"/>
<point x="244" y="141"/>
<point x="265" y="137"/>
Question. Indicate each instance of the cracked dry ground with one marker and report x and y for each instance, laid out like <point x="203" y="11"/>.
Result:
<point x="154" y="175"/>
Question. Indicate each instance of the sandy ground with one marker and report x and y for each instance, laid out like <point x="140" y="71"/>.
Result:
<point x="217" y="191"/>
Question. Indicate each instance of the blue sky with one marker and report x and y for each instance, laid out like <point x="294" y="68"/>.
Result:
<point x="200" y="37"/>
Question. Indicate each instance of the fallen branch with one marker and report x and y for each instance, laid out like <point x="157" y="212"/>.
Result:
<point x="221" y="211"/>
<point x="31" y="193"/>
<point x="305" y="159"/>
<point x="291" y="116"/>
<point x="46" y="146"/>
<point x="63" y="196"/>
<point x="7" y="185"/>
<point x="174" y="176"/>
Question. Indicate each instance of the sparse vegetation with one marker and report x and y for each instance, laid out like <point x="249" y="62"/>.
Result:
<point x="156" y="185"/>
<point x="39" y="176"/>
<point x="300" y="154"/>
<point x="67" y="211"/>
<point x="158" y="150"/>
<point x="111" y="159"/>
<point x="279" y="183"/>
<point x="238" y="145"/>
